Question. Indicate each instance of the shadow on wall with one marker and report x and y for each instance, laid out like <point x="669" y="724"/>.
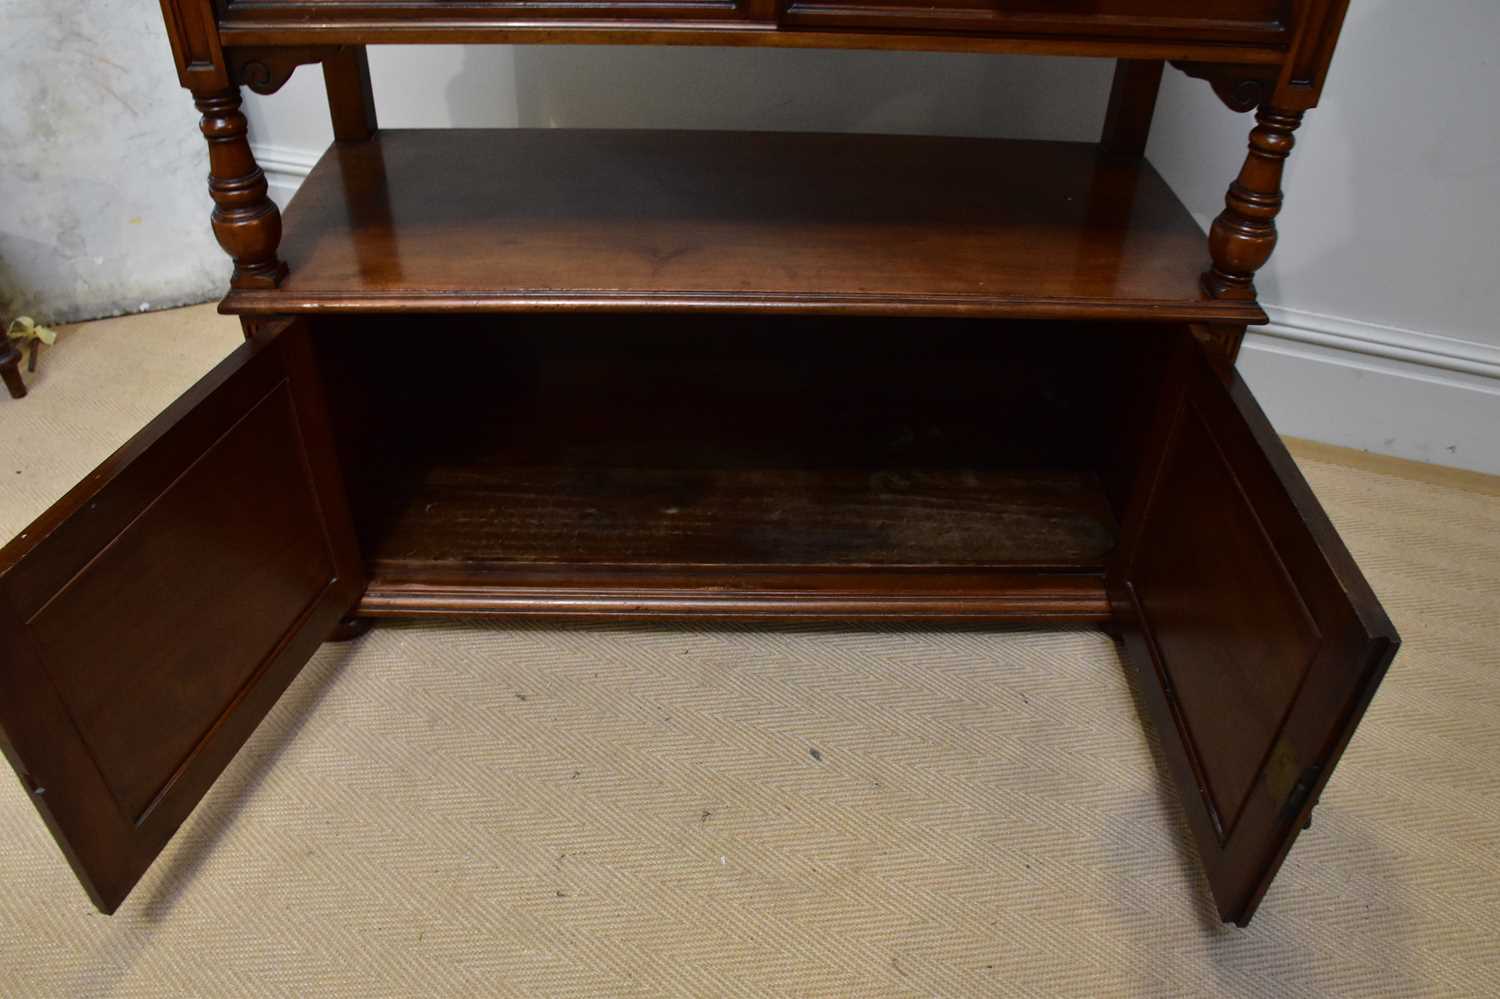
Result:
<point x="10" y="294"/>
<point x="784" y="89"/>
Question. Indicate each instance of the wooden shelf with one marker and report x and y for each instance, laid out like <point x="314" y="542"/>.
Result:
<point x="527" y="220"/>
<point x="575" y="541"/>
<point x="593" y="515"/>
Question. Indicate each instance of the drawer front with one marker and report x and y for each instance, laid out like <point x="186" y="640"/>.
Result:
<point x="1249" y="21"/>
<point x="438" y="12"/>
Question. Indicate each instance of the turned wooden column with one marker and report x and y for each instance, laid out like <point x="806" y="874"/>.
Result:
<point x="246" y="221"/>
<point x="1244" y="234"/>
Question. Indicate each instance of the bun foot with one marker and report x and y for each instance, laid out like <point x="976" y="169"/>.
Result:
<point x="351" y="628"/>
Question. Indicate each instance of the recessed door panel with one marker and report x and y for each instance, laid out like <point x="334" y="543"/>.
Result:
<point x="1257" y="639"/>
<point x="151" y="618"/>
<point x="1247" y="21"/>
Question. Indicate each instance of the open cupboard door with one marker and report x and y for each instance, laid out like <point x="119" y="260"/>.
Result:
<point x="150" y="619"/>
<point x="1258" y="642"/>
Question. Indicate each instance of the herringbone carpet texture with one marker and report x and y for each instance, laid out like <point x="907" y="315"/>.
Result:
<point x="543" y="810"/>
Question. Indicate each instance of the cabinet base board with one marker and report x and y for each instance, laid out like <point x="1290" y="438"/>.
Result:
<point x="884" y="595"/>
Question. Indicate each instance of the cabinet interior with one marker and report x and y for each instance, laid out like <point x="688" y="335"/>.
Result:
<point x="480" y="448"/>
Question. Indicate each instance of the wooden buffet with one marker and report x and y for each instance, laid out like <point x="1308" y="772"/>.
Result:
<point x="710" y="374"/>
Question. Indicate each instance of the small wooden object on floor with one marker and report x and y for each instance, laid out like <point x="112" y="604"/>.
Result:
<point x="10" y="367"/>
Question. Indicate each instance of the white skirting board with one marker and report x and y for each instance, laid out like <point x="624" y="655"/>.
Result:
<point x="285" y="167"/>
<point x="1389" y="391"/>
<point x="1324" y="378"/>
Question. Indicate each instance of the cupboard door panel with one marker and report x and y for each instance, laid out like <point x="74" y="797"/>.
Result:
<point x="1263" y="22"/>
<point x="151" y="618"/>
<point x="471" y="11"/>
<point x="1257" y="639"/>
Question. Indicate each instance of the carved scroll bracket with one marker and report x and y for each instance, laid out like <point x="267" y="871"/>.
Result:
<point x="266" y="70"/>
<point x="1241" y="88"/>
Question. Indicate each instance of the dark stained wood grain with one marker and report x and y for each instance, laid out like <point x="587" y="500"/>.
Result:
<point x="1255" y="630"/>
<point x="1232" y="30"/>
<point x="1206" y="18"/>
<point x="730" y="33"/>
<point x="1203" y="21"/>
<point x="151" y="618"/>
<point x="743" y="517"/>
<point x="193" y="32"/>
<point x="1030" y="597"/>
<point x="469" y="11"/>
<point x="543" y="220"/>
<point x="1305" y="69"/>
<point x="1258" y="642"/>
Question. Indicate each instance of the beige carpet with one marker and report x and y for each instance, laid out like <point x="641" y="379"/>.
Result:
<point x="624" y="811"/>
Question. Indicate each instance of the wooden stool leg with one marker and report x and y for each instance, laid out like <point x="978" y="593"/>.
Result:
<point x="10" y="367"/>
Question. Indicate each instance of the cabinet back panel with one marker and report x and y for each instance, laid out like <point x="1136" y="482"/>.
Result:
<point x="726" y="440"/>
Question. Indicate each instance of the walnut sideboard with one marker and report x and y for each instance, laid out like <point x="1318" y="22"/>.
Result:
<point x="710" y="375"/>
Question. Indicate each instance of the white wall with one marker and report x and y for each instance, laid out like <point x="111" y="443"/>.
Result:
<point x="103" y="207"/>
<point x="670" y="87"/>
<point x="1383" y="292"/>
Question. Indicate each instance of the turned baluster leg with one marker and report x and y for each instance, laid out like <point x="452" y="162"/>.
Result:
<point x="246" y="221"/>
<point x="1244" y="235"/>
